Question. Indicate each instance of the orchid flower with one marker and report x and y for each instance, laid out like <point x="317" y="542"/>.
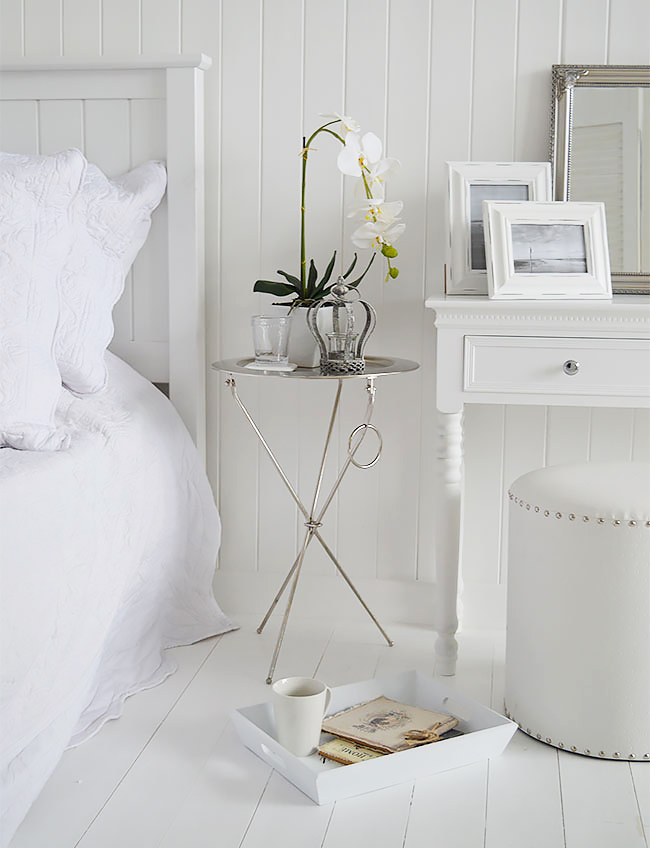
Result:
<point x="348" y="123"/>
<point x="359" y="154"/>
<point x="375" y="209"/>
<point x="375" y="178"/>
<point x="377" y="234"/>
<point x="361" y="157"/>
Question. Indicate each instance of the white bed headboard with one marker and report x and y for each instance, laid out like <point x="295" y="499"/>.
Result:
<point x="121" y="113"/>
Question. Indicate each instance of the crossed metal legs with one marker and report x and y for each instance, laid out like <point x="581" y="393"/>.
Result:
<point x="314" y="516"/>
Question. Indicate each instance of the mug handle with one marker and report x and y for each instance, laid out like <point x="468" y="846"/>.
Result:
<point x="328" y="698"/>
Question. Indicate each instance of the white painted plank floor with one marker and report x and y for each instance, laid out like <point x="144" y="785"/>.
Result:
<point x="171" y="773"/>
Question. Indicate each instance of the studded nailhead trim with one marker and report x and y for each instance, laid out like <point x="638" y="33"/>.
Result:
<point x="571" y="516"/>
<point x="616" y="755"/>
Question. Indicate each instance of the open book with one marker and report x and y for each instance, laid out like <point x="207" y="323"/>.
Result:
<point x="388" y="726"/>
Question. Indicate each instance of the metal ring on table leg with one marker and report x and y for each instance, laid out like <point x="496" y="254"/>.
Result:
<point x="365" y="428"/>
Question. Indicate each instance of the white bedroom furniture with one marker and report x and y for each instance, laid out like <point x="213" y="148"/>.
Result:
<point x="121" y="112"/>
<point x="109" y="543"/>
<point x="564" y="353"/>
<point x="108" y="554"/>
<point x="578" y="635"/>
<point x="316" y="508"/>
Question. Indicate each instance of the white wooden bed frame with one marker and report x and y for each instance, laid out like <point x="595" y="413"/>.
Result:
<point x="121" y="113"/>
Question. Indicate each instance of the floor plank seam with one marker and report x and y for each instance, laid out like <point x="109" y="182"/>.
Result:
<point x="408" y="816"/>
<point x="374" y="671"/>
<point x="487" y="795"/>
<point x="257" y="806"/>
<point x="638" y="805"/>
<point x="322" y="656"/>
<point x="151" y="736"/>
<point x="559" y="780"/>
<point x="329" y="821"/>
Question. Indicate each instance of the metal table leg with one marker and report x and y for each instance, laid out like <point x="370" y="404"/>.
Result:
<point x="314" y="519"/>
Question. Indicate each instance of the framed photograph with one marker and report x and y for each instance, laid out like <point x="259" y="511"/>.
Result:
<point x="539" y="251"/>
<point x="469" y="184"/>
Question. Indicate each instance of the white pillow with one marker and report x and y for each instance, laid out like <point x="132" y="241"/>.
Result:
<point x="111" y="219"/>
<point x="36" y="193"/>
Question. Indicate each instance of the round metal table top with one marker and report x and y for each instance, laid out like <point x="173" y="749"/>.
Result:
<point x="376" y="366"/>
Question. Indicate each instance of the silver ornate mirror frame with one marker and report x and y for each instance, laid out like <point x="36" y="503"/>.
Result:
<point x="565" y="78"/>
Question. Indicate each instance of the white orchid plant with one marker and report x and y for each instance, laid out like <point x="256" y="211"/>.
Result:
<point x="361" y="157"/>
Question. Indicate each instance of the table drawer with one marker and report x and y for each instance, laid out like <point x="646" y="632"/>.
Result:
<point x="559" y="366"/>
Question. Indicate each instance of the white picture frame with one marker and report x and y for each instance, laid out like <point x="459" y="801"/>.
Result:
<point x="468" y="184"/>
<point x="546" y="250"/>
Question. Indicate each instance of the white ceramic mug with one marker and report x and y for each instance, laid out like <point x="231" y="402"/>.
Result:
<point x="299" y="704"/>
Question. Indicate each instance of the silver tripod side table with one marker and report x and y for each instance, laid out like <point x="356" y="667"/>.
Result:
<point x="375" y="367"/>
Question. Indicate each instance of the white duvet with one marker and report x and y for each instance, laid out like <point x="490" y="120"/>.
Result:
<point x="107" y="552"/>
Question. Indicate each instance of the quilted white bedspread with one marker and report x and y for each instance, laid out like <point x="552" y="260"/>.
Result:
<point x="107" y="552"/>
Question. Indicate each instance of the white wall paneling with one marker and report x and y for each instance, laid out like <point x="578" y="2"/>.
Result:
<point x="468" y="79"/>
<point x="366" y="47"/>
<point x="281" y="29"/>
<point x="161" y="26"/>
<point x="238" y="222"/>
<point x="81" y="30"/>
<point x="12" y="44"/>
<point x="321" y="92"/>
<point x="121" y="28"/>
<point x="43" y="28"/>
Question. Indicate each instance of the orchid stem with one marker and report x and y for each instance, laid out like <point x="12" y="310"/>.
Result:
<point x="303" y="276"/>
<point x="305" y="153"/>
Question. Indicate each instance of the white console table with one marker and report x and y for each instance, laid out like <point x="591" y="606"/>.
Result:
<point x="552" y="353"/>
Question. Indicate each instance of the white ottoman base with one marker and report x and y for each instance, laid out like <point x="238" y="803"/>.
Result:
<point x="578" y="635"/>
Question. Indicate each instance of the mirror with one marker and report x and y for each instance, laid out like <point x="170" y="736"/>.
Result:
<point x="600" y="138"/>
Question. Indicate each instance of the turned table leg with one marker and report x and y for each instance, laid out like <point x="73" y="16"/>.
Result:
<point x="449" y="467"/>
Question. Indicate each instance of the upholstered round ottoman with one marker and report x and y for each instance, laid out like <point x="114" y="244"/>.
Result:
<point x="578" y="631"/>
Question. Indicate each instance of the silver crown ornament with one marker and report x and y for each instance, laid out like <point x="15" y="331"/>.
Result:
<point x="341" y="350"/>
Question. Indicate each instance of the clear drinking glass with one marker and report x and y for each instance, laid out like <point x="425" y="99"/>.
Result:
<point x="271" y="338"/>
<point x="341" y="346"/>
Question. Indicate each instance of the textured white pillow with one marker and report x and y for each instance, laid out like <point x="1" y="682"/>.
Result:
<point x="111" y="219"/>
<point x="36" y="193"/>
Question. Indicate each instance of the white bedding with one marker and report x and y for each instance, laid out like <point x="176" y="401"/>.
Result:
<point x="107" y="552"/>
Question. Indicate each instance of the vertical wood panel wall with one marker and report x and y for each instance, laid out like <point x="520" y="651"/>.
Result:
<point x="437" y="80"/>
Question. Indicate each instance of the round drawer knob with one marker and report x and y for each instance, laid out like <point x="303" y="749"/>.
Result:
<point x="571" y="367"/>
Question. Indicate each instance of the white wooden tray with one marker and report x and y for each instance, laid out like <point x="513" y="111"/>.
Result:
<point x="485" y="735"/>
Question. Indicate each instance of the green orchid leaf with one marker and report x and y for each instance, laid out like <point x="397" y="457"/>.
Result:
<point x="326" y="278"/>
<point x="290" y="303"/>
<point x="358" y="280"/>
<point x="295" y="282"/>
<point x="349" y="271"/>
<point x="328" y="270"/>
<point x="311" y="278"/>
<point x="273" y="287"/>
